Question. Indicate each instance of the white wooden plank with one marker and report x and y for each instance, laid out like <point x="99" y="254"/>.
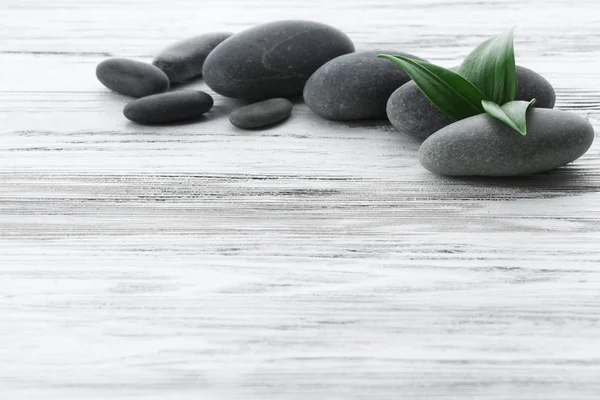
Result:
<point x="312" y="260"/>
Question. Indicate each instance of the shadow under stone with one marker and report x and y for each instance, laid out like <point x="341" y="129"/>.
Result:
<point x="200" y="119"/>
<point x="562" y="181"/>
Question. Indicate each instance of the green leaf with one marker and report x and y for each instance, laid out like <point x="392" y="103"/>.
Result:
<point x="491" y="67"/>
<point x="512" y="114"/>
<point x="448" y="91"/>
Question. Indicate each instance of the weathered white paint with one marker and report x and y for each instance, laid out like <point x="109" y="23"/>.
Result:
<point x="313" y="260"/>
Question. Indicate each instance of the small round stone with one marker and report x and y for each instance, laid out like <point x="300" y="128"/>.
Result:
<point x="355" y="86"/>
<point x="132" y="78"/>
<point x="184" y="60"/>
<point x="484" y="146"/>
<point x="272" y="60"/>
<point x="261" y="114"/>
<point x="413" y="114"/>
<point x="168" y="107"/>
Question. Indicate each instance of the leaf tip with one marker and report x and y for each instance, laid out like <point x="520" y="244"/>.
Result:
<point x="522" y="130"/>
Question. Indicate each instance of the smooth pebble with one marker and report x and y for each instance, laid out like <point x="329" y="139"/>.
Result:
<point x="272" y="60"/>
<point x="355" y="86"/>
<point x="132" y="78"/>
<point x="261" y="114"/>
<point x="168" y="107"/>
<point x="482" y="145"/>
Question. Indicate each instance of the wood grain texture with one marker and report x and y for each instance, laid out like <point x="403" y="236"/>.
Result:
<point x="313" y="260"/>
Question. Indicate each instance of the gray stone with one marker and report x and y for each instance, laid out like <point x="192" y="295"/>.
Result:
<point x="168" y="107"/>
<point x="482" y="145"/>
<point x="272" y="60"/>
<point x="261" y="114"/>
<point x="132" y="78"/>
<point x="184" y="60"/>
<point x="531" y="85"/>
<point x="355" y="86"/>
<point x="413" y="114"/>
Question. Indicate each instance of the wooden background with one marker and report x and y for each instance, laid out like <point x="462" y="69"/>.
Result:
<point x="313" y="260"/>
